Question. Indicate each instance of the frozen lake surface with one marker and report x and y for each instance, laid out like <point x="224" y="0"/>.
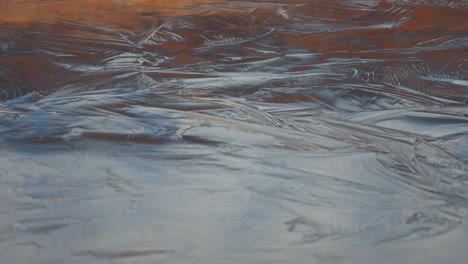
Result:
<point x="227" y="132"/>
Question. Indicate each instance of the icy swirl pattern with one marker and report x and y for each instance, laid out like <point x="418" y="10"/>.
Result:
<point x="233" y="131"/>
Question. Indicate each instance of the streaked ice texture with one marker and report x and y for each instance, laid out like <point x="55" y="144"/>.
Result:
<point x="233" y="131"/>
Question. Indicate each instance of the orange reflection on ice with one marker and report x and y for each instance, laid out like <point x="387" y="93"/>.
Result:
<point x="121" y="12"/>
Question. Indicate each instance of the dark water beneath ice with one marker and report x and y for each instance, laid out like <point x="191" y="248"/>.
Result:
<point x="233" y="132"/>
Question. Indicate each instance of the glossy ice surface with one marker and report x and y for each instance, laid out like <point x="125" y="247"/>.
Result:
<point x="233" y="131"/>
